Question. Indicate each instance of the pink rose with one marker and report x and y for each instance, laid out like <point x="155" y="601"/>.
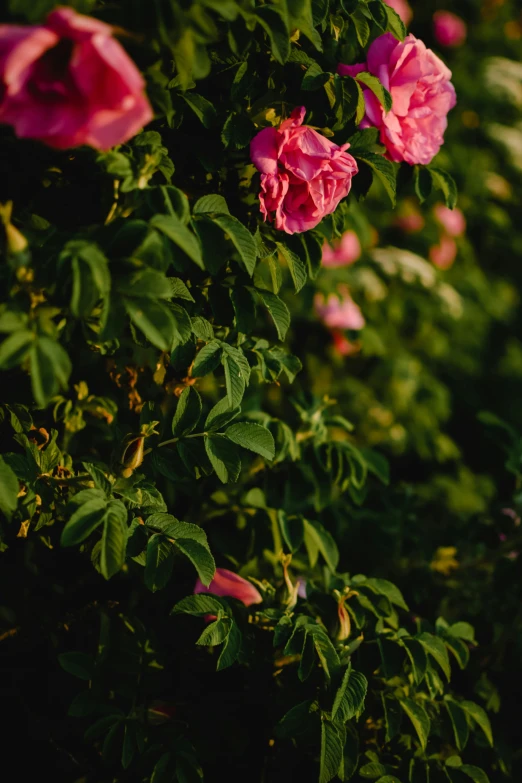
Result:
<point x="403" y="8"/>
<point x="343" y="251"/>
<point x="443" y="255"/>
<point x="303" y="175"/>
<point x="230" y="585"/>
<point x="410" y="220"/>
<point x="449" y="29"/>
<point x="68" y="82"/>
<point x="338" y="312"/>
<point x="452" y="220"/>
<point x="422" y="93"/>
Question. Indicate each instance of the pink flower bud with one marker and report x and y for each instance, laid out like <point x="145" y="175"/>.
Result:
<point x="339" y="312"/>
<point x="443" y="255"/>
<point x="452" y="220"/>
<point x="449" y="29"/>
<point x="230" y="585"/>
<point x="343" y="251"/>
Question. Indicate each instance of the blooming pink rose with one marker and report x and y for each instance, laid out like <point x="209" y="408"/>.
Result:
<point x="449" y="29"/>
<point x="69" y="82"/>
<point x="422" y="93"/>
<point x="342" y="252"/>
<point x="452" y="220"/>
<point x="303" y="175"/>
<point x="403" y="8"/>
<point x="443" y="255"/>
<point x="338" y="312"/>
<point x="230" y="585"/>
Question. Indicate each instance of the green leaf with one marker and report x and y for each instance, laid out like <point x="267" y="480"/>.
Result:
<point x="374" y="85"/>
<point x="211" y="203"/>
<point x="350" y="697"/>
<point x="207" y="359"/>
<point x="78" y="664"/>
<point x="459" y="649"/>
<point x="319" y="539"/>
<point x="200" y="558"/>
<point x="325" y="650"/>
<point x="199" y="605"/>
<point x="244" y="305"/>
<point x="224" y="458"/>
<point x="292" y="528"/>
<point x="314" y="77"/>
<point x="435" y="647"/>
<point x="423" y="182"/>
<point x="445" y="183"/>
<point x="154" y="319"/>
<point x="297" y="720"/>
<point x="15" y="348"/>
<point x="241" y="238"/>
<point x="392" y="593"/>
<point x="220" y="415"/>
<point x="9" y="489"/>
<point x="419" y="718"/>
<point x="385" y="171"/>
<point x="331" y="752"/>
<point x="377" y="464"/>
<point x="83" y="522"/>
<point x="172" y="227"/>
<point x="50" y="369"/>
<point x="231" y="648"/>
<point x="479" y="716"/>
<point x="395" y="24"/>
<point x="253" y="437"/>
<point x="114" y="539"/>
<point x="159" y="562"/>
<point x="392" y="716"/>
<point x="161" y="772"/>
<point x="301" y="18"/>
<point x="187" y="412"/>
<point x="277" y="309"/>
<point x="215" y="633"/>
<point x="459" y="723"/>
<point x="295" y="265"/>
<point x="179" y="290"/>
<point x="202" y="108"/>
<point x="274" y="24"/>
<point x="463" y="631"/>
<point x="417" y="656"/>
<point x="237" y="373"/>
<point x="476" y="774"/>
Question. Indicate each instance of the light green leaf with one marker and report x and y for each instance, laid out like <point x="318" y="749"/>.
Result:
<point x="331" y="752"/>
<point x="211" y="203"/>
<point x="435" y="647"/>
<point x="395" y="24"/>
<point x="479" y="716"/>
<point x="295" y="265"/>
<point x="200" y="558"/>
<point x="372" y="83"/>
<point x="253" y="437"/>
<point x="15" y="348"/>
<point x="350" y="697"/>
<point x="85" y="519"/>
<point x="476" y="774"/>
<point x="224" y="457"/>
<point x="317" y="537"/>
<point x="179" y="290"/>
<point x="154" y="319"/>
<point x="199" y="605"/>
<point x="231" y="648"/>
<point x="419" y="718"/>
<point x="207" y="359"/>
<point x="9" y="489"/>
<point x="177" y="232"/>
<point x="392" y="593"/>
<point x="237" y="373"/>
<point x="277" y="309"/>
<point x="241" y="238"/>
<point x="215" y="633"/>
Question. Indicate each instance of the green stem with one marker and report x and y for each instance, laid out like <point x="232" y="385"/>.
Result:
<point x="175" y="440"/>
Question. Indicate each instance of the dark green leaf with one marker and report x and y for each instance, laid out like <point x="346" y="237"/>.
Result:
<point x="154" y="319"/>
<point x="253" y="437"/>
<point x="207" y="359"/>
<point x="9" y="489"/>
<point x="15" y="348"/>
<point x="159" y="562"/>
<point x="331" y="752"/>
<point x="84" y="520"/>
<point x="78" y="664"/>
<point x="419" y="719"/>
<point x="224" y="457"/>
<point x="350" y="697"/>
<point x="277" y="309"/>
<point x="202" y="108"/>
<point x="114" y="539"/>
<point x="187" y="412"/>
<point x="200" y="558"/>
<point x="177" y="232"/>
<point x="459" y="723"/>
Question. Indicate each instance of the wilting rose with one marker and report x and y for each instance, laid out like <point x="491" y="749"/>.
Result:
<point x="403" y="8"/>
<point x="69" y="82"/>
<point x="422" y="93"/>
<point x="452" y="220"/>
<point x="338" y="312"/>
<point x="342" y="252"/>
<point x="449" y="29"/>
<point x="230" y="585"/>
<point x="443" y="255"/>
<point x="304" y="175"/>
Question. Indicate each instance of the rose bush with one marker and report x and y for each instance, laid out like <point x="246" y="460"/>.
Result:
<point x="251" y="505"/>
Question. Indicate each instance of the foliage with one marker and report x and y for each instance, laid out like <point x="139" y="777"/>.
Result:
<point x="170" y="402"/>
